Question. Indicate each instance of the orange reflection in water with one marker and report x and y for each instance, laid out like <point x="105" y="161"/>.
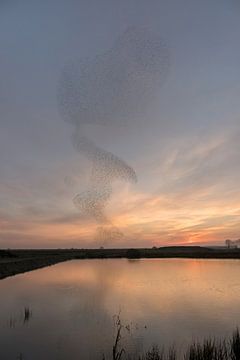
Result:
<point x="170" y="300"/>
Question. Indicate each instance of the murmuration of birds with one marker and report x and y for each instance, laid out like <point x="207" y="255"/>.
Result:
<point x="114" y="88"/>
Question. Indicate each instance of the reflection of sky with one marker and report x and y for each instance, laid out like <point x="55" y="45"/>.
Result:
<point x="186" y="153"/>
<point x="73" y="303"/>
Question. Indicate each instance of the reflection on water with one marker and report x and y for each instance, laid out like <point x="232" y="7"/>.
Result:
<point x="161" y="301"/>
<point x="22" y="318"/>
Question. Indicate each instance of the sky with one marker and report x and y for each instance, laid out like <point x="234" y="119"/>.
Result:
<point x="182" y="151"/>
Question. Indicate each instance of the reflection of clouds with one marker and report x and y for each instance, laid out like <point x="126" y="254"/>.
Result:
<point x="73" y="302"/>
<point x="72" y="305"/>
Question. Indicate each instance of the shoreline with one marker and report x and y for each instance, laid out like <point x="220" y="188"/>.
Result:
<point x="13" y="262"/>
<point x="12" y="268"/>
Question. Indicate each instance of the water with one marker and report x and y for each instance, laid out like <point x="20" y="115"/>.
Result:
<point x="65" y="312"/>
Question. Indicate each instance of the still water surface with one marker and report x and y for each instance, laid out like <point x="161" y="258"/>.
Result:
<point x="65" y="312"/>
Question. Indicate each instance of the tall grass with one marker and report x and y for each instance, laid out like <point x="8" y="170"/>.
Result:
<point x="208" y="349"/>
<point x="211" y="349"/>
<point x="155" y="353"/>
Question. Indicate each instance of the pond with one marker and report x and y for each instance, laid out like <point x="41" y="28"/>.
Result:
<point x="67" y="311"/>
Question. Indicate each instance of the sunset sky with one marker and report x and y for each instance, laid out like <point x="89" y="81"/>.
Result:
<point x="185" y="151"/>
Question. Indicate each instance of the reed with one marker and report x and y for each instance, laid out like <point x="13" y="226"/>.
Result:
<point x="208" y="349"/>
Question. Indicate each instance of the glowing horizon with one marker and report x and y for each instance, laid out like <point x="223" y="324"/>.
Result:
<point x="184" y="149"/>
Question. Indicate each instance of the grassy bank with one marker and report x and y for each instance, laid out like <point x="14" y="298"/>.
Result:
<point x="208" y="349"/>
<point x="17" y="261"/>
